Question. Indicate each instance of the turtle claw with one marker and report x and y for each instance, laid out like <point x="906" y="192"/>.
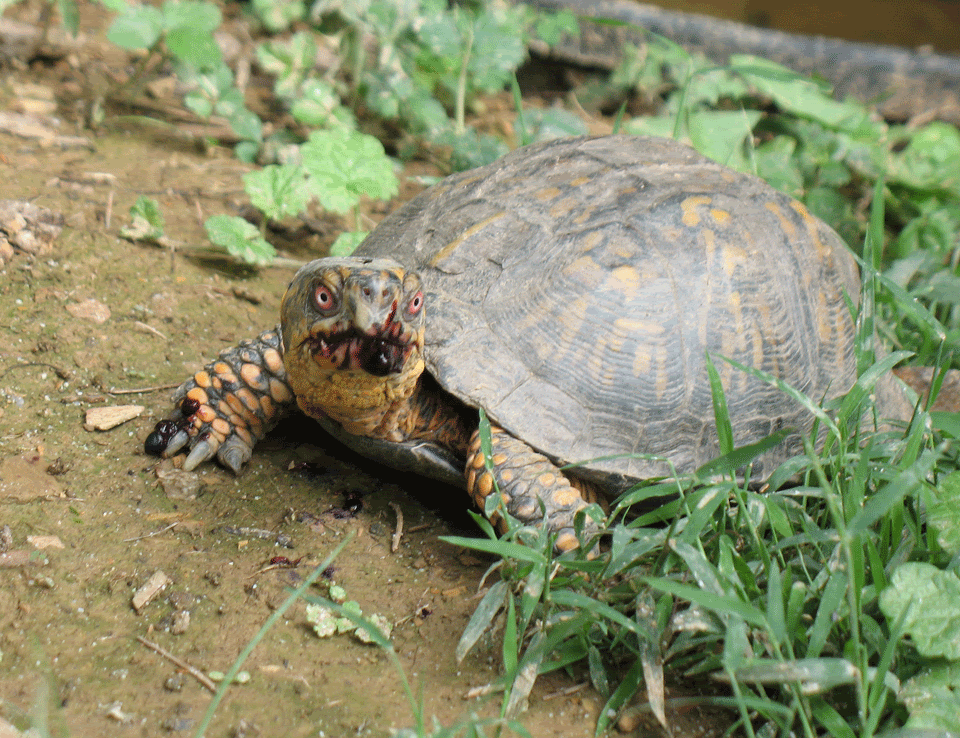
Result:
<point x="176" y="443"/>
<point x="234" y="453"/>
<point x="203" y="451"/>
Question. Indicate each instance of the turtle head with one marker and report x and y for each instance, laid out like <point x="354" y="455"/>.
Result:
<point x="354" y="324"/>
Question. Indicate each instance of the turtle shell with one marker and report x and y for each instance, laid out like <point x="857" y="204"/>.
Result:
<point x="575" y="288"/>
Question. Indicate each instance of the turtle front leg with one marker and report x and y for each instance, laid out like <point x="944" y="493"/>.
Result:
<point x="228" y="406"/>
<point x="525" y="478"/>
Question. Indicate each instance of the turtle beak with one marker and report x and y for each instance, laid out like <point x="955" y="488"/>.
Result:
<point x="371" y="301"/>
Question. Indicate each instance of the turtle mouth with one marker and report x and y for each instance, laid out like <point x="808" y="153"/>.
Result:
<point x="377" y="354"/>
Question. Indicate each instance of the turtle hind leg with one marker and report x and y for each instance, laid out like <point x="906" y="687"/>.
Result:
<point x="526" y="478"/>
<point x="228" y="406"/>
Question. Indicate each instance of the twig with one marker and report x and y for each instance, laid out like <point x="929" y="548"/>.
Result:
<point x="192" y="671"/>
<point x="108" y="214"/>
<point x="149" y="535"/>
<point x="141" y="390"/>
<point x="398" y="533"/>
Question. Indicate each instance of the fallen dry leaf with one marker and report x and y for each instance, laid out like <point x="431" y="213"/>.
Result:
<point x="105" y="418"/>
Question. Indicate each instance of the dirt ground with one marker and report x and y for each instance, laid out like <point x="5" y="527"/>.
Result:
<point x="97" y="321"/>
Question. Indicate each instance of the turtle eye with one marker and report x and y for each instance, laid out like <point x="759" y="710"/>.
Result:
<point x="324" y="299"/>
<point x="416" y="302"/>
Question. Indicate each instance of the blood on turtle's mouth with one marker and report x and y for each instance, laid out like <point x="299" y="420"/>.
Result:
<point x="378" y="355"/>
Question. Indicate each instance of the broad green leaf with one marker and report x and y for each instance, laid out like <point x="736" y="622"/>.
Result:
<point x="239" y="238"/>
<point x="933" y="698"/>
<point x="198" y="15"/>
<point x="318" y="106"/>
<point x="278" y="15"/>
<point x="343" y="166"/>
<point x="139" y="27"/>
<point x="278" y="190"/>
<point x="797" y="94"/>
<point x="933" y="598"/>
<point x="943" y="513"/>
<point x="194" y="46"/>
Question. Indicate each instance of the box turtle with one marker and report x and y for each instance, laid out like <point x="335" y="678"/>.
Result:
<point x="572" y="290"/>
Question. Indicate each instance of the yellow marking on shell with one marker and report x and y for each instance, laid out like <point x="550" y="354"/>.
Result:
<point x="587" y="272"/>
<point x="266" y="405"/>
<point x="642" y="359"/>
<point x="563" y="207"/>
<point x="198" y="394"/>
<point x="721" y="217"/>
<point x="623" y="279"/>
<point x="466" y="235"/>
<point x="785" y="223"/>
<point x="566" y="541"/>
<point x="824" y="329"/>
<point x="733" y="301"/>
<point x="273" y="360"/>
<point x="205" y="414"/>
<point x="710" y="250"/>
<point x="498" y="458"/>
<point x="506" y="476"/>
<point x="202" y="378"/>
<point x="579" y="181"/>
<point x="689" y="207"/>
<point x="733" y="257"/>
<point x="221" y="426"/>
<point x="663" y="378"/>
<point x="585" y="215"/>
<point x="633" y="326"/>
<point x="485" y="484"/>
<point x="547" y="193"/>
<point x="824" y="252"/>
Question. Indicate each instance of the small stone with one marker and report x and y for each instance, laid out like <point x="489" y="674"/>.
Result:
<point x="153" y="587"/>
<point x="92" y="310"/>
<point x="181" y="621"/>
<point x="177" y="483"/>
<point x="174" y="683"/>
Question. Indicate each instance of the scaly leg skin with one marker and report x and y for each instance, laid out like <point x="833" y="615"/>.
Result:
<point x="228" y="406"/>
<point x="524" y="478"/>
